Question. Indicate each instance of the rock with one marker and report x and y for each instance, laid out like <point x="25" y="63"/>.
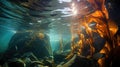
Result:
<point x="21" y="43"/>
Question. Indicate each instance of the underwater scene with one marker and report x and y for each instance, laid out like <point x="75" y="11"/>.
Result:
<point x="59" y="33"/>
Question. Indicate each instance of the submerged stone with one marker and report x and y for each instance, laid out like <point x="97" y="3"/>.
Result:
<point x="22" y="43"/>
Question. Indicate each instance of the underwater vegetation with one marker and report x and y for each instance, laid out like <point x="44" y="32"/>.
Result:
<point x="59" y="33"/>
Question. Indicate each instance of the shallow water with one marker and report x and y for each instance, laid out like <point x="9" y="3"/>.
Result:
<point x="51" y="27"/>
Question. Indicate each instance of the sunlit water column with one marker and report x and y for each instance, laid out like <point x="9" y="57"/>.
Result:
<point x="5" y="37"/>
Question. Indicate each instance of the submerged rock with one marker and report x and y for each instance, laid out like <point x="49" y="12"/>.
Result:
<point x="21" y="43"/>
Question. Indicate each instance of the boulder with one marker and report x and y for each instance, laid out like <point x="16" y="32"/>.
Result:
<point x="21" y="43"/>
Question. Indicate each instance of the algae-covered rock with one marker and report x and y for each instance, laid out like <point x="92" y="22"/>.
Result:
<point x="21" y="43"/>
